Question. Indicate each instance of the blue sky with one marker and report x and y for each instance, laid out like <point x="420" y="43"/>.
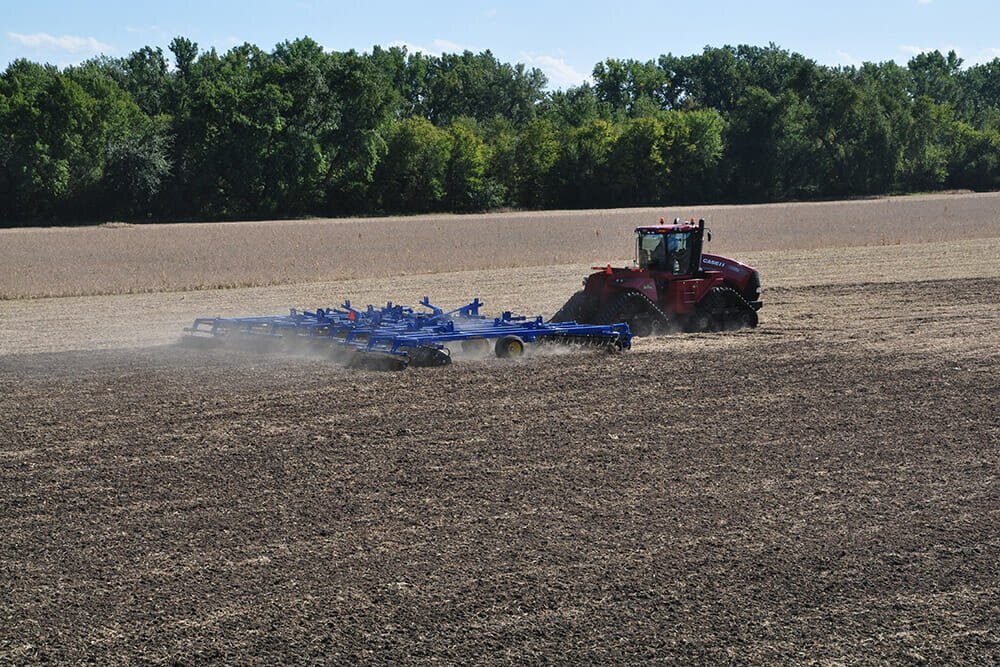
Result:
<point x="562" y="38"/>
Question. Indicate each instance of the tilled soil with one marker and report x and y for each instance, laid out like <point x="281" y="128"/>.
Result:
<point x="822" y="490"/>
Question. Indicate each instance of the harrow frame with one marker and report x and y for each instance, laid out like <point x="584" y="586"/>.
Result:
<point x="395" y="336"/>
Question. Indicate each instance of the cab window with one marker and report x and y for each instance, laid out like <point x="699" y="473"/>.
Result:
<point x="678" y="254"/>
<point x="652" y="251"/>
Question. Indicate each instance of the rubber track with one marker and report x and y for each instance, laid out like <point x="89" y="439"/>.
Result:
<point x="579" y="308"/>
<point x="732" y="297"/>
<point x="612" y="308"/>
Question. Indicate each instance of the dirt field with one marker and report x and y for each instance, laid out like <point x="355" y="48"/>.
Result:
<point x="823" y="489"/>
<point x="122" y="259"/>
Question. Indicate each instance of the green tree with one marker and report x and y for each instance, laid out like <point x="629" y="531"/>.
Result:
<point x="305" y="144"/>
<point x="692" y="147"/>
<point x="936" y="77"/>
<point x="573" y="107"/>
<point x="715" y="79"/>
<point x="34" y="175"/>
<point x="413" y="176"/>
<point x="631" y="88"/>
<point x="777" y="70"/>
<point x="146" y="78"/>
<point x="927" y="153"/>
<point x="535" y="155"/>
<point x="580" y="175"/>
<point x="859" y="148"/>
<point x="477" y="86"/>
<point x="185" y="52"/>
<point x="772" y="147"/>
<point x="367" y="105"/>
<point x="503" y="164"/>
<point x="66" y="132"/>
<point x="138" y="165"/>
<point x="233" y="129"/>
<point x="467" y="185"/>
<point x="981" y="94"/>
<point x="975" y="158"/>
<point x="637" y="171"/>
<point x="301" y="130"/>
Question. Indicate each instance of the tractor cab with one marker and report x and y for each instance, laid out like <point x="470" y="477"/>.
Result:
<point x="674" y="249"/>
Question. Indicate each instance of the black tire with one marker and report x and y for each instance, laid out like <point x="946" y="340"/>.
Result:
<point x="509" y="347"/>
<point x="475" y="347"/>
<point x="579" y="308"/>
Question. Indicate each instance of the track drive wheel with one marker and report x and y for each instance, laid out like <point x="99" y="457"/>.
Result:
<point x="509" y="347"/>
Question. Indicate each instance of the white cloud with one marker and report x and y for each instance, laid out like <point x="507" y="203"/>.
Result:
<point x="491" y="13"/>
<point x="977" y="57"/>
<point x="71" y="44"/>
<point x="844" y="58"/>
<point x="560" y="73"/>
<point x="912" y="50"/>
<point x="444" y="46"/>
<point x="415" y="48"/>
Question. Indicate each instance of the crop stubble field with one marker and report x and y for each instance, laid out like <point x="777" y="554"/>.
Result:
<point x="821" y="489"/>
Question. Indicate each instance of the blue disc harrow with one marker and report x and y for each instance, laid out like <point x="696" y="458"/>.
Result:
<point x="394" y="336"/>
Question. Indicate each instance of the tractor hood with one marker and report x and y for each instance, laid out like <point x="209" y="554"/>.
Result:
<point x="744" y="278"/>
<point x="730" y="267"/>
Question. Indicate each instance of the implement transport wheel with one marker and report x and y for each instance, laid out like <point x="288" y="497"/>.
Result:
<point x="476" y="347"/>
<point x="509" y="347"/>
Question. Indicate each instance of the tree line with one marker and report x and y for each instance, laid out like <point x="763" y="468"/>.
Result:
<point x="304" y="131"/>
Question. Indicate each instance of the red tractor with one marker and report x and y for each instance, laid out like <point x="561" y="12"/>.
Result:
<point x="674" y="286"/>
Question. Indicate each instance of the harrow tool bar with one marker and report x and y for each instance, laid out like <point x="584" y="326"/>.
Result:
<point x="395" y="336"/>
